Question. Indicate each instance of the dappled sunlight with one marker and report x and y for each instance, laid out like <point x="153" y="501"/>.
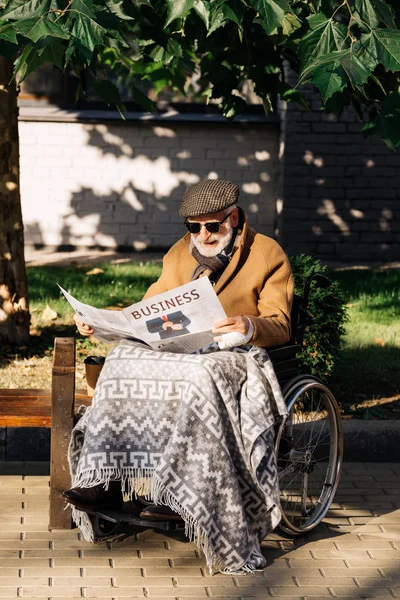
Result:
<point x="262" y="155"/>
<point x="120" y="186"/>
<point x="310" y="159"/>
<point x="251" y="188"/>
<point x="328" y="209"/>
<point x="164" y="132"/>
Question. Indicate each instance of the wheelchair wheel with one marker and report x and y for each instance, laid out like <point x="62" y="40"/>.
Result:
<point x="309" y="453"/>
<point x="103" y="529"/>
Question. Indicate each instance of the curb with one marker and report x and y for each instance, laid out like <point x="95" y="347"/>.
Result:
<point x="371" y="440"/>
<point x="364" y="441"/>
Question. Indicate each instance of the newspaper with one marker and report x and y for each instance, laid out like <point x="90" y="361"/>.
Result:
<point x="177" y="321"/>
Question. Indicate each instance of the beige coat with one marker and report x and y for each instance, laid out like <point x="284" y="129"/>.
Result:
<point x="257" y="283"/>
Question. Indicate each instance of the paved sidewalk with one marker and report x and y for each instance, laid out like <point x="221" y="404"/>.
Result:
<point x="354" y="554"/>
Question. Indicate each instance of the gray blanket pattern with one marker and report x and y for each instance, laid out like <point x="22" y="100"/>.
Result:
<point x="200" y="428"/>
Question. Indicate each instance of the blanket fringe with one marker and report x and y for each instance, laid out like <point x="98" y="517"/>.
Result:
<point x="147" y="484"/>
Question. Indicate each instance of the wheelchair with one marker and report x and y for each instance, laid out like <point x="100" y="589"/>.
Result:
<point x="309" y="441"/>
<point x="308" y="446"/>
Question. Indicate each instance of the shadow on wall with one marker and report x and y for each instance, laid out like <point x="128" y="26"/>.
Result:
<point x="341" y="191"/>
<point x="121" y="185"/>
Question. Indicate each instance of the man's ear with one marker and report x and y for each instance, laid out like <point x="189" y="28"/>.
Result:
<point x="235" y="217"/>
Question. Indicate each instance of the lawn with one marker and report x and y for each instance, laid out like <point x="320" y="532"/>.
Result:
<point x="369" y="364"/>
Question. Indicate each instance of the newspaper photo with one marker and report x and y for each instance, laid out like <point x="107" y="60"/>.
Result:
<point x="180" y="320"/>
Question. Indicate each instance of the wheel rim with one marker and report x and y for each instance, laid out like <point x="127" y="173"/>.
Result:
<point x="309" y="458"/>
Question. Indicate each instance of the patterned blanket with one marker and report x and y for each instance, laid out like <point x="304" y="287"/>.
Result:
<point x="200" y="430"/>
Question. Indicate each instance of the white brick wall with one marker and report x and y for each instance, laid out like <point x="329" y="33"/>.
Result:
<point x="120" y="184"/>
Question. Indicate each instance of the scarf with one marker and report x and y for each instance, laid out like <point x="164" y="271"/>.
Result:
<point x="213" y="266"/>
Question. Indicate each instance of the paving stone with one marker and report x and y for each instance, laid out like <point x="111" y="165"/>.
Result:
<point x="126" y="580"/>
<point x="112" y="572"/>
<point x="352" y="572"/>
<point x="369" y="592"/>
<point x="25" y="581"/>
<point x="50" y="592"/>
<point x="318" y="563"/>
<point x="78" y="561"/>
<point x="174" y="572"/>
<point x="346" y="557"/>
<point x="135" y="561"/>
<point x="167" y="592"/>
<point x="313" y="592"/>
<point x="8" y="592"/>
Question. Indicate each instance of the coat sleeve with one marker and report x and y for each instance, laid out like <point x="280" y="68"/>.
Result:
<point x="272" y="327"/>
<point x="163" y="283"/>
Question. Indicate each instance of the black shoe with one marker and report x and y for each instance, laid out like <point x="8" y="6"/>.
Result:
<point x="95" y="498"/>
<point x="159" y="513"/>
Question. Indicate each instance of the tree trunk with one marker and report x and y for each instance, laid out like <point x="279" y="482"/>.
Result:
<point x="14" y="311"/>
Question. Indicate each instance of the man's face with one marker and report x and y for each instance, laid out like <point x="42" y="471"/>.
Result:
<point x="211" y="244"/>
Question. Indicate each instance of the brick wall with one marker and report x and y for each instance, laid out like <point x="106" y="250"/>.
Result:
<point x="341" y="192"/>
<point x="120" y="184"/>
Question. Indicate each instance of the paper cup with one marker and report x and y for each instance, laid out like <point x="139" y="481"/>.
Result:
<point x="93" y="367"/>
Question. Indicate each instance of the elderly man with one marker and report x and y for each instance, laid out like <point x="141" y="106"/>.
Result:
<point x="197" y="430"/>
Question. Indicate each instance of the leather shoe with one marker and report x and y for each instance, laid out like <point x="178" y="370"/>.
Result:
<point x="95" y="498"/>
<point x="159" y="513"/>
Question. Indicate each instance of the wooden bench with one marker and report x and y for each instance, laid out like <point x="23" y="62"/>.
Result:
<point x="53" y="408"/>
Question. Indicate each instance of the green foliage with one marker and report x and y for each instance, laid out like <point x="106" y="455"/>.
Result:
<point x="323" y="339"/>
<point x="350" y="50"/>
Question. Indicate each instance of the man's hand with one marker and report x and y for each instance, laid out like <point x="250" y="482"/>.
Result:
<point x="83" y="329"/>
<point x="237" y="324"/>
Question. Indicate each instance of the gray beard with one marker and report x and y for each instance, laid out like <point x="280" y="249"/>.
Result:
<point x="215" y="250"/>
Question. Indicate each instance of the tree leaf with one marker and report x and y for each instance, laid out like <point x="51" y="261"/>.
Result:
<point x="232" y="15"/>
<point x="20" y="9"/>
<point x="173" y="50"/>
<point x="271" y="13"/>
<point x="203" y="11"/>
<point x="89" y="33"/>
<point x="217" y="18"/>
<point x="83" y="7"/>
<point x="355" y="70"/>
<point x="32" y="58"/>
<point x="386" y="123"/>
<point x="159" y="79"/>
<point x="117" y="8"/>
<point x="289" y="24"/>
<point x="8" y="33"/>
<point x="49" y="314"/>
<point x="323" y="60"/>
<point x="323" y="39"/>
<point x="177" y="9"/>
<point x="380" y="46"/>
<point x="111" y="96"/>
<point x="385" y="13"/>
<point x="374" y="12"/>
<point x="316" y="20"/>
<point x="289" y="94"/>
<point x="330" y="79"/>
<point x="141" y="98"/>
<point x="35" y="29"/>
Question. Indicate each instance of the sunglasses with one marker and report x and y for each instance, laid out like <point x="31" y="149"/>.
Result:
<point x="212" y="227"/>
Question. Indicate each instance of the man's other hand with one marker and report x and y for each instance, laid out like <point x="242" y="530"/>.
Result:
<point x="83" y="329"/>
<point x="237" y="324"/>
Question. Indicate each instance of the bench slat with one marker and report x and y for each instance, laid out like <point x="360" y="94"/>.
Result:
<point x="31" y="408"/>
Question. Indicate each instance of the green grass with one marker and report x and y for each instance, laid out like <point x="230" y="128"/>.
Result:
<point x="369" y="364"/>
<point x="117" y="285"/>
<point x="368" y="367"/>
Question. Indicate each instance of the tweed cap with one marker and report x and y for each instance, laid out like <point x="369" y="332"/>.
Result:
<point x="211" y="195"/>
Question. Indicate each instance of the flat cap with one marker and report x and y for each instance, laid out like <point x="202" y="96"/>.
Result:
<point x="211" y="195"/>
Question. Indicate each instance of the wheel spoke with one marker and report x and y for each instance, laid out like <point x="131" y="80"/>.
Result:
<point x="310" y="464"/>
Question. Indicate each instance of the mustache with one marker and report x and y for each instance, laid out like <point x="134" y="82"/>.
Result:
<point x="213" y="238"/>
